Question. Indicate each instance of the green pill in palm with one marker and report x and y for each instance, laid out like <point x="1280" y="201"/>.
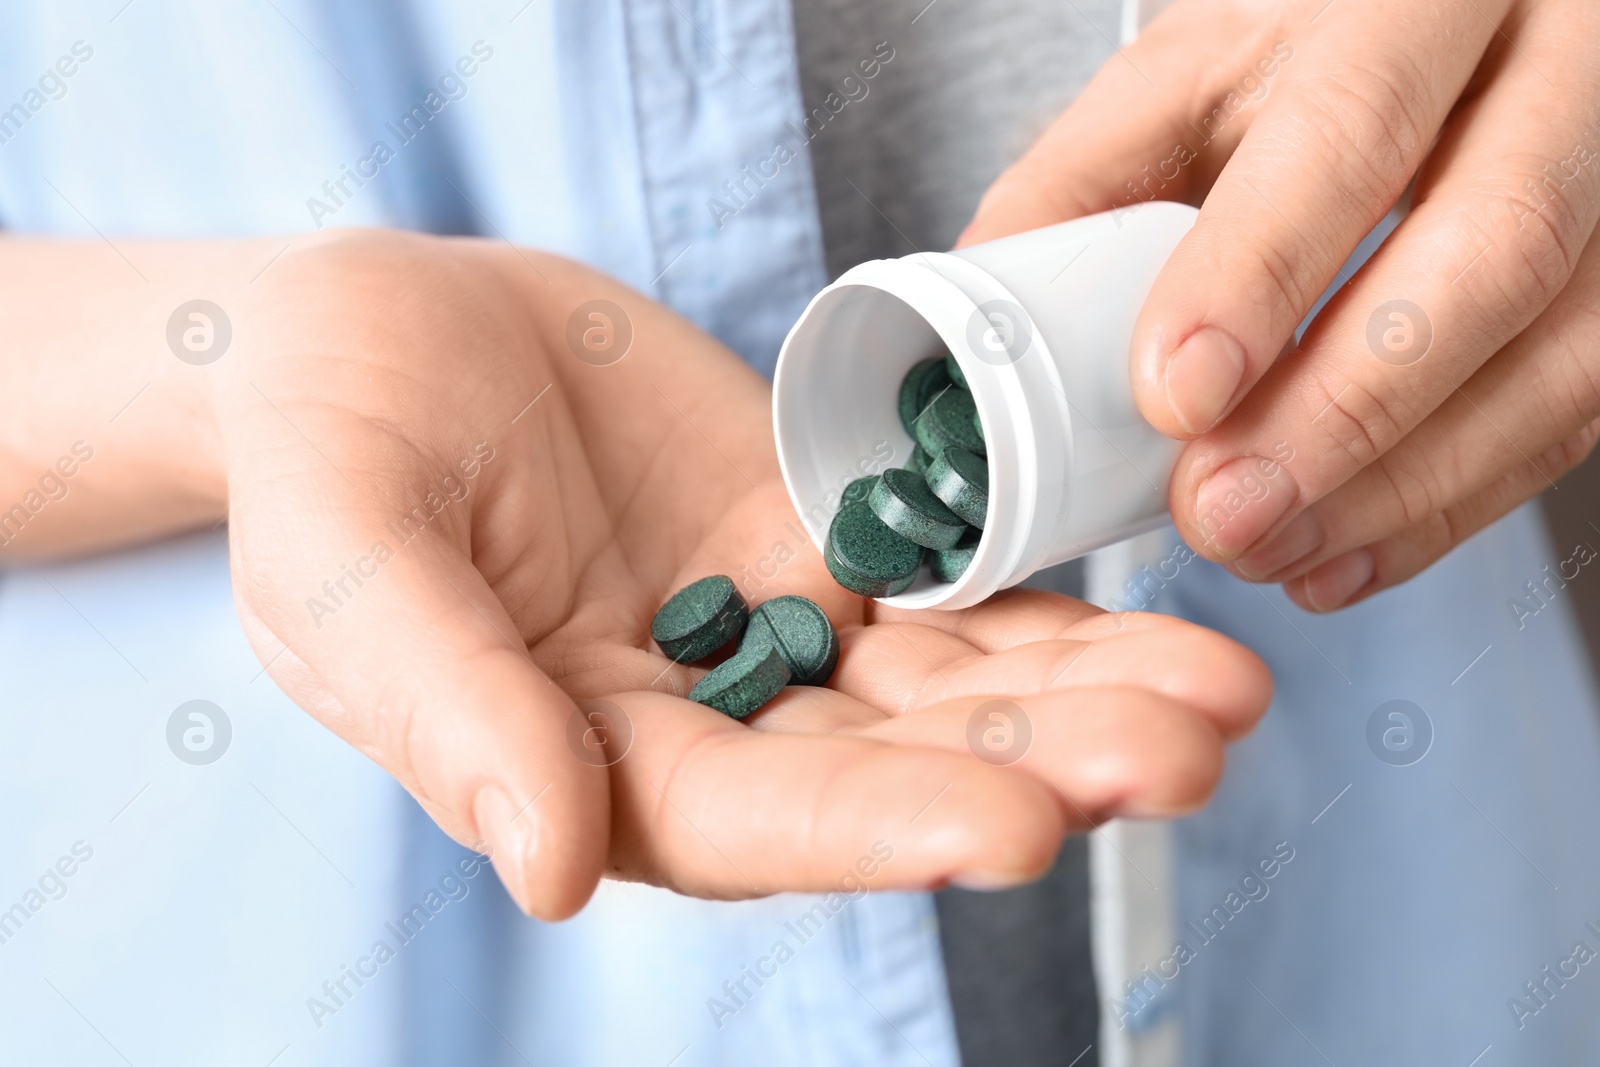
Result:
<point x="960" y="480"/>
<point x="858" y="491"/>
<point x="952" y="563"/>
<point x="921" y="384"/>
<point x="738" y="686"/>
<point x="803" y="635"/>
<point x="949" y="421"/>
<point x="868" y="558"/>
<point x="699" y="619"/>
<point x="952" y="368"/>
<point x="905" y="504"/>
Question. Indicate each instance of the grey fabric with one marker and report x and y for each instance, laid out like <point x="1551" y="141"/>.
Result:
<point x="970" y="86"/>
<point x="1018" y="967"/>
<point x="900" y="160"/>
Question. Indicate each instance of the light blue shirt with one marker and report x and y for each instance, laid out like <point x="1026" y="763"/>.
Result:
<point x="231" y="912"/>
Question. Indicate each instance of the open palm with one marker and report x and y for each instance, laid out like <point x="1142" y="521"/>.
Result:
<point x="450" y="533"/>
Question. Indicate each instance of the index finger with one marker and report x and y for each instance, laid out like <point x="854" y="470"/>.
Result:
<point x="1471" y="266"/>
<point x="1326" y="159"/>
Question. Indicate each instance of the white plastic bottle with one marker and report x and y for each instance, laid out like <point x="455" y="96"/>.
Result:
<point x="1041" y="324"/>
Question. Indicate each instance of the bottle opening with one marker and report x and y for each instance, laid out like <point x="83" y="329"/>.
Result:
<point x="836" y="414"/>
<point x="1033" y="320"/>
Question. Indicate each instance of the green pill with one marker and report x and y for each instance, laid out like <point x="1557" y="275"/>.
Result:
<point x="949" y="421"/>
<point x="952" y="563"/>
<point x="921" y="384"/>
<point x="920" y="460"/>
<point x="803" y="635"/>
<point x="858" y="491"/>
<point x="952" y="368"/>
<point x="699" y="619"/>
<point x="961" y="481"/>
<point x="739" y="685"/>
<point x="868" y="558"/>
<point x="907" y="506"/>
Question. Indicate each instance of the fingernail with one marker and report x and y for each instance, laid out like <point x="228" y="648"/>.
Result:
<point x="512" y="837"/>
<point x="1303" y="536"/>
<point x="1242" y="500"/>
<point x="1201" y="376"/>
<point x="1332" y="584"/>
<point x="988" y="881"/>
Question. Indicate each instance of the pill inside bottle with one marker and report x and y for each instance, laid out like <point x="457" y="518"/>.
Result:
<point x="1038" y="328"/>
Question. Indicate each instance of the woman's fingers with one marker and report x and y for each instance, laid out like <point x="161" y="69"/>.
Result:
<point x="428" y="677"/>
<point x="1328" y="156"/>
<point x="711" y="808"/>
<point x="1105" y="751"/>
<point x="966" y="765"/>
<point x="904" y="668"/>
<point x="1358" y="574"/>
<point x="1487" y="108"/>
<point x="399" y="645"/>
<point x="1011" y="617"/>
<point x="1536" y="394"/>
<point x="1480" y="256"/>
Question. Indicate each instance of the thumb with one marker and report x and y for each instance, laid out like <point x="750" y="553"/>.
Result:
<point x="399" y="646"/>
<point x="1155" y="123"/>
